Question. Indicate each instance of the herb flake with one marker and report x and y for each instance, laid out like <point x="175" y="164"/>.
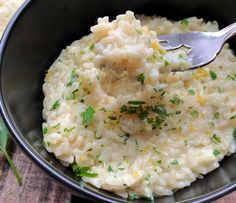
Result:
<point x="141" y="78"/>
<point x="87" y="115"/>
<point x="83" y="171"/>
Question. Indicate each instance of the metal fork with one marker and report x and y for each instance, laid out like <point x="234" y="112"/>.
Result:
<point x="203" y="46"/>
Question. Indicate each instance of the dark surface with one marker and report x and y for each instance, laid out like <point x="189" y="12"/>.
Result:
<point x="30" y="46"/>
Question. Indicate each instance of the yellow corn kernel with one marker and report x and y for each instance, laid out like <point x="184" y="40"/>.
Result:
<point x="201" y="72"/>
<point x="200" y="99"/>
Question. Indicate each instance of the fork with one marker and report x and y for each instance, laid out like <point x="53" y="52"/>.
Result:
<point x="203" y="46"/>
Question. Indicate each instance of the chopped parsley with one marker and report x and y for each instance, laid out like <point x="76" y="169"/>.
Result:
<point x="83" y="171"/>
<point x="139" y="32"/>
<point x="216" y="115"/>
<point x="69" y="129"/>
<point x="136" y="102"/>
<point x="56" y="126"/>
<point x="194" y="114"/>
<point x="213" y="75"/>
<point x="166" y="63"/>
<point x="46" y="144"/>
<point x="234" y="133"/>
<point x="175" y="162"/>
<point x="98" y="158"/>
<point x="230" y="77"/>
<point x="176" y="100"/>
<point x="91" y="47"/>
<point x="149" y="198"/>
<point x="73" y="78"/>
<point x="45" y="130"/>
<point x="87" y="115"/>
<point x="160" y="110"/>
<point x="216" y="152"/>
<point x="232" y="117"/>
<point x="141" y="78"/>
<point x="191" y="92"/>
<point x="216" y="139"/>
<point x="159" y="161"/>
<point x="184" y="22"/>
<point x="109" y="169"/>
<point x="72" y="96"/>
<point x="82" y="52"/>
<point x="55" y="105"/>
<point x="132" y="196"/>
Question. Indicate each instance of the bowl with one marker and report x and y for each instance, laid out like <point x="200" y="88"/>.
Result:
<point x="32" y="41"/>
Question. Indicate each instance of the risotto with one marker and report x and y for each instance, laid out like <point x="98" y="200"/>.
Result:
<point x="124" y="122"/>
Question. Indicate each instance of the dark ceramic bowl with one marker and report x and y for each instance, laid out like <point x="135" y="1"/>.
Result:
<point x="33" y="40"/>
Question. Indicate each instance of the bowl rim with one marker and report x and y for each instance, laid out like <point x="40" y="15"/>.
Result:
<point x="49" y="169"/>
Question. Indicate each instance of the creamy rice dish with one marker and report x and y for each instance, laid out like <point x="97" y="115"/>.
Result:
<point x="124" y="122"/>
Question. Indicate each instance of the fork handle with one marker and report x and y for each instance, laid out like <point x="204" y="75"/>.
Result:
<point x="227" y="32"/>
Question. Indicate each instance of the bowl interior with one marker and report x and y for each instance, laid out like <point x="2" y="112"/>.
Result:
<point x="38" y="35"/>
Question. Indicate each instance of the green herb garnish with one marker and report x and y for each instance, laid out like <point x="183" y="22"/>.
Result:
<point x="109" y="169"/>
<point x="136" y="102"/>
<point x="194" y="114"/>
<point x="216" y="115"/>
<point x="216" y="139"/>
<point x="139" y="32"/>
<point x="166" y="63"/>
<point x="159" y="161"/>
<point x="230" y="77"/>
<point x="184" y="22"/>
<point x="3" y="148"/>
<point x="160" y="110"/>
<point x="91" y="47"/>
<point x="83" y="171"/>
<point x="132" y="196"/>
<point x="55" y="105"/>
<point x="234" y="133"/>
<point x="191" y="92"/>
<point x="87" y="115"/>
<point x="176" y="100"/>
<point x="69" y="129"/>
<point x="213" y="75"/>
<point x="232" y="117"/>
<point x="216" y="152"/>
<point x="57" y="125"/>
<point x="175" y="162"/>
<point x="45" y="130"/>
<point x="141" y="78"/>
<point x="73" y="78"/>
